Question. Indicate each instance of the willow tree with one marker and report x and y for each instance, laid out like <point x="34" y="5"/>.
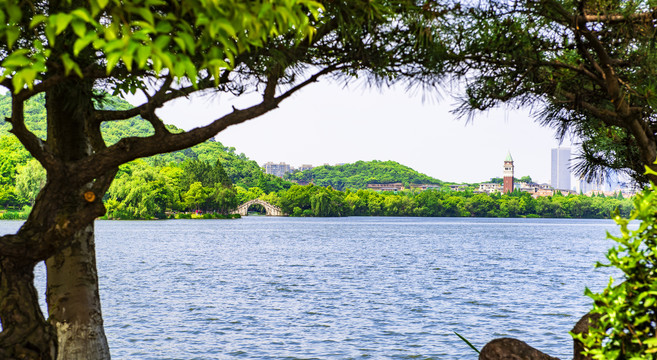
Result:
<point x="75" y="51"/>
<point x="586" y="67"/>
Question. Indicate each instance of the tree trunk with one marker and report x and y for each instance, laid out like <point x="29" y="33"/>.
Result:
<point x="72" y="289"/>
<point x="26" y="334"/>
<point x="74" y="302"/>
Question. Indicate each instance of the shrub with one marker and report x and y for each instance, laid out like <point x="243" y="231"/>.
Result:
<point x="628" y="322"/>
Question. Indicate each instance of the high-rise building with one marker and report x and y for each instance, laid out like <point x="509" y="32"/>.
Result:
<point x="560" y="168"/>
<point x="279" y="169"/>
<point x="508" y="174"/>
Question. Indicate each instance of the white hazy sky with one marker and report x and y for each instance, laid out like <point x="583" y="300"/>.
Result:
<point x="327" y="123"/>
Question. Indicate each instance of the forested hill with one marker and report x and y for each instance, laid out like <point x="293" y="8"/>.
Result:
<point x="238" y="167"/>
<point x="361" y="173"/>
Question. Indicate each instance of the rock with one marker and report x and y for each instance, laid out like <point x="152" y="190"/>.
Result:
<point x="511" y="349"/>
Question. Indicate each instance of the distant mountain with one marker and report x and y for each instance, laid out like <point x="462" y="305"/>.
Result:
<point x="361" y="173"/>
<point x="240" y="169"/>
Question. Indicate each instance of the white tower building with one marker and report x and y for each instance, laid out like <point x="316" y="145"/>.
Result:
<point x="560" y="168"/>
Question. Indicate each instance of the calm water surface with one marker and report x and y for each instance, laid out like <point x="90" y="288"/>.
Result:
<point x="343" y="288"/>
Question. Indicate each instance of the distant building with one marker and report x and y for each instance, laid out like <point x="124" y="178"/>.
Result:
<point x="528" y="187"/>
<point x="560" y="168"/>
<point x="508" y="174"/>
<point x="279" y="169"/>
<point x="305" y="167"/>
<point x="458" y="187"/>
<point x="490" y="187"/>
<point x="543" y="192"/>
<point x="424" y="186"/>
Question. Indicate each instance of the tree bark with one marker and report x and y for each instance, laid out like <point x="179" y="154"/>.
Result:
<point x="26" y="335"/>
<point x="72" y="286"/>
<point x="74" y="302"/>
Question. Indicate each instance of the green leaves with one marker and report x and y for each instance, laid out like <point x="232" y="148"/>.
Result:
<point x="627" y="328"/>
<point x="143" y="36"/>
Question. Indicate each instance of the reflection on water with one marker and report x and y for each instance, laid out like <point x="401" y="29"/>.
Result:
<point x="396" y="288"/>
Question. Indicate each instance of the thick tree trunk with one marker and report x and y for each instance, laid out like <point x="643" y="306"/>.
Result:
<point x="26" y="334"/>
<point x="72" y="294"/>
<point x="74" y="302"/>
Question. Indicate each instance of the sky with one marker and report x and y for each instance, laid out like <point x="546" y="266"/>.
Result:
<point x="328" y="123"/>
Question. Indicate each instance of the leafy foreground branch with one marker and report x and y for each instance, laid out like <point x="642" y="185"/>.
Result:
<point x="623" y="322"/>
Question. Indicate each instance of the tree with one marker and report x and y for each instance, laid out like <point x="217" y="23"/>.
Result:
<point x="526" y="179"/>
<point x="207" y="174"/>
<point x="75" y="51"/>
<point x="143" y="193"/>
<point x="196" y="196"/>
<point x="30" y="178"/>
<point x="587" y="66"/>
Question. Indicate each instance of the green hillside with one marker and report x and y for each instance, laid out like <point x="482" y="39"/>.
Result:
<point x="361" y="173"/>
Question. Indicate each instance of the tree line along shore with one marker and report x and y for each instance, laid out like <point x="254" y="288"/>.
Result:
<point x="210" y="180"/>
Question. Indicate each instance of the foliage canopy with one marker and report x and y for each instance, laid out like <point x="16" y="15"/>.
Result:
<point x="587" y="68"/>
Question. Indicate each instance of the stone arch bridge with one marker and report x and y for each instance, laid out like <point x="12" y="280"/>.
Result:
<point x="271" y="210"/>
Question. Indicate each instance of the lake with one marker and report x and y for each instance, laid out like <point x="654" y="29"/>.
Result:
<point x="343" y="288"/>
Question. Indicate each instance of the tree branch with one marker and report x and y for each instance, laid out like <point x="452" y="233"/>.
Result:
<point x="13" y="245"/>
<point x="644" y="17"/>
<point x="36" y="147"/>
<point x="162" y="96"/>
<point x="605" y="66"/>
<point x="128" y="149"/>
<point x="609" y="117"/>
<point x="155" y="121"/>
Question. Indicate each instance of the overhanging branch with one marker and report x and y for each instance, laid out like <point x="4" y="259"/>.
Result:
<point x="131" y="148"/>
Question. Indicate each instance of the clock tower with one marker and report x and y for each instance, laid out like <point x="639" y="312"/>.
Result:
<point x="508" y="174"/>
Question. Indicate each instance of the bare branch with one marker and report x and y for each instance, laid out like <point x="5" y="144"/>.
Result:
<point x="37" y="147"/>
<point x="155" y="121"/>
<point x="270" y="89"/>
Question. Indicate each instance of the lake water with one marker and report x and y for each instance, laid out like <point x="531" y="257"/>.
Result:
<point x="343" y="288"/>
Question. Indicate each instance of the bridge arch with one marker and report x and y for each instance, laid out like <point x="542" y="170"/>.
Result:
<point x="271" y="210"/>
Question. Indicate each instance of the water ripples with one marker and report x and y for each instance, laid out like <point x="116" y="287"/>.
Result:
<point x="352" y="288"/>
